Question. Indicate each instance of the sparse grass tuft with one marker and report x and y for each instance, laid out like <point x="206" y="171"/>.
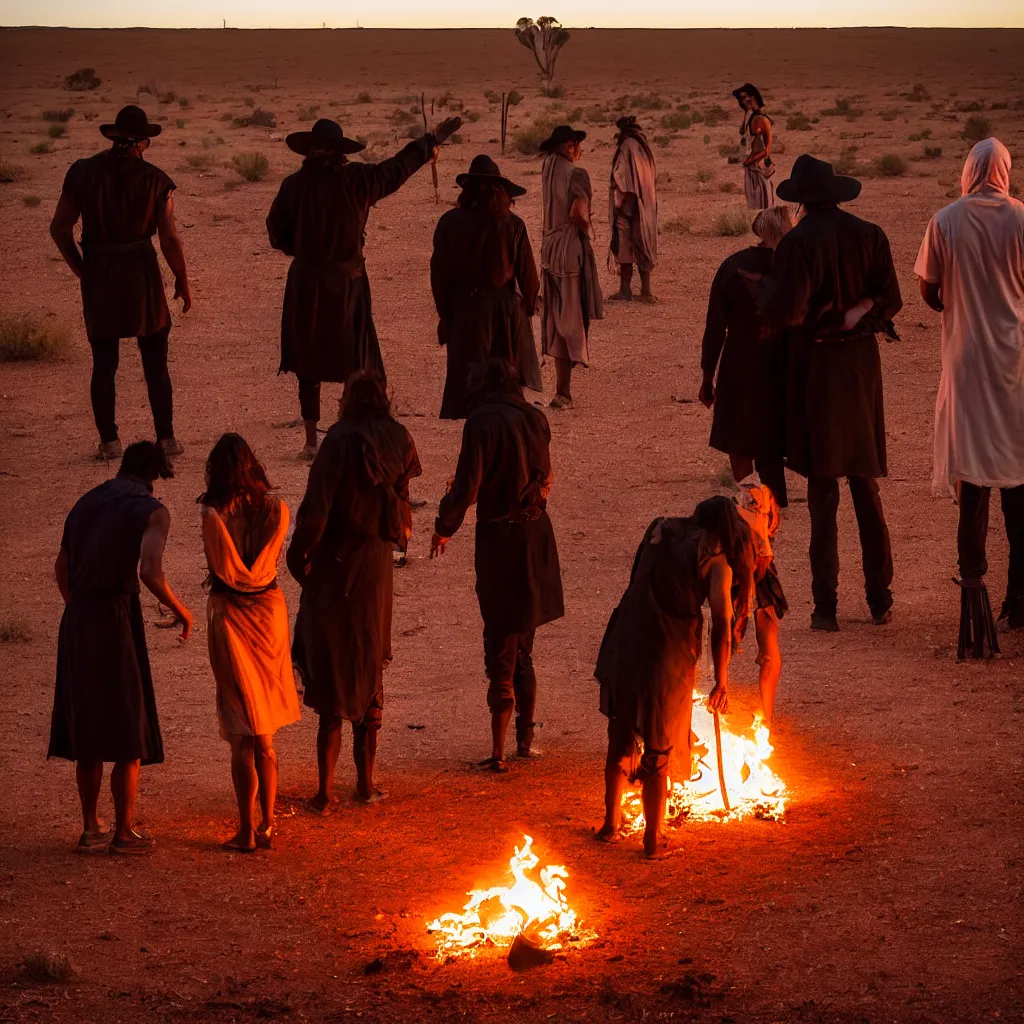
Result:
<point x="704" y="175"/>
<point x="308" y="113"/>
<point x="48" y="967"/>
<point x="179" y="123"/>
<point x="514" y="98"/>
<point x="82" y="80"/>
<point x="24" y="338"/>
<point x="491" y="96"/>
<point x="847" y="161"/>
<point x="641" y="101"/>
<point x="918" y="94"/>
<point x="64" y="114"/>
<point x="732" y="224"/>
<point x="891" y="165"/>
<point x="552" y="92"/>
<point x="251" y="166"/>
<point x="42" y="147"/>
<point x="677" y="226"/>
<point x="364" y="97"/>
<point x="977" y="128"/>
<point x="890" y="113"/>
<point x="728" y="186"/>
<point x="56" y="131"/>
<point x="843" y="108"/>
<point x="199" y="161"/>
<point x="14" y="631"/>
<point x="798" y="123"/>
<point x="400" y="116"/>
<point x="31" y="201"/>
<point x="9" y="172"/>
<point x="529" y="139"/>
<point x="249" y="101"/>
<point x="676" y="121"/>
<point x="920" y="136"/>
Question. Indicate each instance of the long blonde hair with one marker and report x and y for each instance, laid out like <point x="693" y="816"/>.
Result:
<point x="771" y="224"/>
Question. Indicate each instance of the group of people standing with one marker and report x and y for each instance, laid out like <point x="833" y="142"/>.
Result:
<point x="790" y="366"/>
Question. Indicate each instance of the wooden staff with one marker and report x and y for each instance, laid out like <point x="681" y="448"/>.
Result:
<point x="721" y="766"/>
<point x="433" y="162"/>
<point x="504" y="122"/>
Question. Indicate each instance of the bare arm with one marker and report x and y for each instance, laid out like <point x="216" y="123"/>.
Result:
<point x="62" y="231"/>
<point x="174" y="253"/>
<point x="761" y="132"/>
<point x="720" y="599"/>
<point x="60" y="570"/>
<point x="151" y="568"/>
<point x="931" y="294"/>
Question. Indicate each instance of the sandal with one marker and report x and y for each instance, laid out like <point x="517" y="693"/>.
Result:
<point x="235" y="845"/>
<point x="134" y="846"/>
<point x="494" y="764"/>
<point x="94" y="842"/>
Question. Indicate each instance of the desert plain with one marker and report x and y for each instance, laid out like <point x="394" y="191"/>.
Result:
<point x="892" y="892"/>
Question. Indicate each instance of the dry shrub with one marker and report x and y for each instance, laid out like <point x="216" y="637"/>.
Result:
<point x="400" y="116"/>
<point x="199" y="161"/>
<point x="23" y="338"/>
<point x="676" y="121"/>
<point x="977" y="128"/>
<point x="251" y="166"/>
<point x="64" y="114"/>
<point x="183" y="102"/>
<point x="249" y="101"/>
<point x="552" y="92"/>
<point x="574" y="115"/>
<point x="529" y="139"/>
<point x="9" y="172"/>
<point x="798" y="123"/>
<point x="596" y="115"/>
<point x="56" y="131"/>
<point x="704" y="175"/>
<point x="663" y="140"/>
<point x="364" y="97"/>
<point x="48" y="967"/>
<point x="31" y="201"/>
<point x="261" y="118"/>
<point x="42" y="147"/>
<point x="918" y="94"/>
<point x="308" y="113"/>
<point x="677" y="226"/>
<point x="843" y="108"/>
<point x="728" y="186"/>
<point x="920" y="136"/>
<point x="82" y="80"/>
<point x="514" y="98"/>
<point x="14" y="631"/>
<point x="180" y="123"/>
<point x="641" y="101"/>
<point x="732" y="224"/>
<point x="890" y="165"/>
<point x="847" y="161"/>
<point x="968" y="106"/>
<point x="890" y="113"/>
<point x="715" y="114"/>
<point x="929" y="153"/>
<point x="491" y="96"/>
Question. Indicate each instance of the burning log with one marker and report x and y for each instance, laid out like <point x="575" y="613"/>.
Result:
<point x="524" y="954"/>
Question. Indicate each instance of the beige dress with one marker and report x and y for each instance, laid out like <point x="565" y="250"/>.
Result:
<point x="247" y="623"/>
<point x="758" y="187"/>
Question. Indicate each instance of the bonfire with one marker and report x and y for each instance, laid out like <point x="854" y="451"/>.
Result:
<point x="532" y="905"/>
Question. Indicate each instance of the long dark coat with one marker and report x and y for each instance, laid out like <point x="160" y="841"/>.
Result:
<point x="319" y="219"/>
<point x="485" y="286"/>
<point x="119" y="196"/>
<point x="104" y="707"/>
<point x="835" y="418"/>
<point x="505" y="468"/>
<point x="751" y="384"/>
<point x="354" y="514"/>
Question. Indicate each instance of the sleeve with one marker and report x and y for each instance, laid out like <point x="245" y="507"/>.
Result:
<point x="929" y="265"/>
<point x="715" y="323"/>
<point x="785" y="297"/>
<point x="466" y="485"/>
<point x="526" y="268"/>
<point x="380" y="180"/>
<point x="281" y="221"/>
<point x="655" y="523"/>
<point x="579" y="185"/>
<point x="71" y="187"/>
<point x="885" y="285"/>
<point x="440" y="271"/>
<point x="311" y="520"/>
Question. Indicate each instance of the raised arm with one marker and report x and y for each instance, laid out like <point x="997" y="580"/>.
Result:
<point x="463" y="492"/>
<point x="380" y="180"/>
<point x="151" y="568"/>
<point x="62" y="231"/>
<point x="311" y="519"/>
<point x="174" y="252"/>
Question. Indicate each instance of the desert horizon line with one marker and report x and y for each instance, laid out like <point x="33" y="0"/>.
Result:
<point x="501" y="28"/>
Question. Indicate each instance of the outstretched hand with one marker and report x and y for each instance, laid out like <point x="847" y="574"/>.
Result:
<point x="437" y="545"/>
<point x="447" y="128"/>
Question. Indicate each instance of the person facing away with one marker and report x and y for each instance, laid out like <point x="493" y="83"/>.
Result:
<point x="354" y="514"/>
<point x="104" y="706"/>
<point x="504" y="468"/>
<point x="971" y="270"/>
<point x="319" y="219"/>
<point x="756" y="139"/>
<point x="572" y="290"/>
<point x="834" y="287"/>
<point x="632" y="210"/>
<point x="122" y="201"/>
<point x="485" y="284"/>
<point x="648" y="659"/>
<point x="244" y="528"/>
<point x="749" y="394"/>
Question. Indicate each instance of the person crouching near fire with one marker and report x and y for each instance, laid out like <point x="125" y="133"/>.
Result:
<point x="647" y="664"/>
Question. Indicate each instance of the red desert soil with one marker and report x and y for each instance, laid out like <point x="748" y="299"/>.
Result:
<point x="893" y="891"/>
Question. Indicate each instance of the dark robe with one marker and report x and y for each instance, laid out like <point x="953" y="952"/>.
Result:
<point x="104" y="708"/>
<point x="485" y="286"/>
<point x="354" y="514"/>
<point x="119" y="196"/>
<point x="649" y="654"/>
<point x="835" y="419"/>
<point x="751" y="384"/>
<point x="319" y="219"/>
<point x="505" y="467"/>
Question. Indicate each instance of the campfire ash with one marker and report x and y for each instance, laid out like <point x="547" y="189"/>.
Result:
<point x="755" y="791"/>
<point x="531" y="906"/>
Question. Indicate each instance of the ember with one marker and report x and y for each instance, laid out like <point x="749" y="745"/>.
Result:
<point x="494" y="917"/>
<point x="754" y="789"/>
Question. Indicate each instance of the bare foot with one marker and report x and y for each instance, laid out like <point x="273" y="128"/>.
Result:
<point x="94" y="842"/>
<point x="264" y="836"/>
<point x="619" y="296"/>
<point x="240" y="842"/>
<point x="495" y="764"/>
<point x="374" y="798"/>
<point x="658" y="847"/>
<point x="560" y="402"/>
<point x="319" y="804"/>
<point x="608" y="834"/>
<point x="132" y="844"/>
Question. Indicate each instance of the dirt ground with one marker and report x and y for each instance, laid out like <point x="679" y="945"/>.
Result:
<point x="893" y="891"/>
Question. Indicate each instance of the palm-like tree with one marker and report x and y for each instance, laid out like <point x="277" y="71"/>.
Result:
<point x="545" y="37"/>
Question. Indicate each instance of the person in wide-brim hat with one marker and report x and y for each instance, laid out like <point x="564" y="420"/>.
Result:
<point x="748" y="90"/>
<point x="325" y="134"/>
<point x="131" y="123"/>
<point x="815" y="181"/>
<point x="484" y="171"/>
<point x="560" y="136"/>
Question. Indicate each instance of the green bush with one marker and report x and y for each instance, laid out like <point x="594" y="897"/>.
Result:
<point x="732" y="224"/>
<point x="64" y="114"/>
<point x="24" y="338"/>
<point x="891" y="165"/>
<point x="977" y="128"/>
<point x="251" y="166"/>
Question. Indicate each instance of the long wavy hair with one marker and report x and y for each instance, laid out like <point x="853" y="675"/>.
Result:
<point x="233" y="473"/>
<point x="492" y="198"/>
<point x="720" y="517"/>
<point x="365" y="398"/>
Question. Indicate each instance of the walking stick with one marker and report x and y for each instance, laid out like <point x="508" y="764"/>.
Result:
<point x="721" y="767"/>
<point x="433" y="162"/>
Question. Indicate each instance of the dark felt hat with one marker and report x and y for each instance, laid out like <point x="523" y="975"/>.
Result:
<point x="484" y="171"/>
<point x="131" y="123"/>
<point x="560" y="136"/>
<point x="750" y="90"/>
<point x="326" y="133"/>
<point x="628" y="122"/>
<point x="814" y="181"/>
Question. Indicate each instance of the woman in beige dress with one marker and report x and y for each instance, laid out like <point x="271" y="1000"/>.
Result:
<point x="244" y="528"/>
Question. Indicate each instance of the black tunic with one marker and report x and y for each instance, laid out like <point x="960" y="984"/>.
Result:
<point x="119" y="196"/>
<point x="751" y="384"/>
<point x="104" y="708"/>
<point x="319" y="218"/>
<point x="354" y="514"/>
<point x="485" y="286"/>
<point x="835" y="419"/>
<point x="505" y="467"/>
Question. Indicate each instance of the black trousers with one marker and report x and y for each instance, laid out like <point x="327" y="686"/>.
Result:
<point x="309" y="399"/>
<point x="972" y="534"/>
<point x="508" y="661"/>
<point x="823" y="504"/>
<point x="106" y="354"/>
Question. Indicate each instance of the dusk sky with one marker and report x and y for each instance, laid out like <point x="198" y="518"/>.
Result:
<point x="464" y="13"/>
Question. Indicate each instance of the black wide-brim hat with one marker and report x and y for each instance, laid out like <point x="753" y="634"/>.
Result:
<point x="814" y="181"/>
<point x="131" y="123"/>
<point x="560" y="136"/>
<point x="325" y="133"/>
<point x="750" y="90"/>
<point x="484" y="171"/>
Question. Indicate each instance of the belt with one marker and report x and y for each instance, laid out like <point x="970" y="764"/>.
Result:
<point x="526" y="515"/>
<point x="218" y="586"/>
<point x="353" y="268"/>
<point x="116" y="249"/>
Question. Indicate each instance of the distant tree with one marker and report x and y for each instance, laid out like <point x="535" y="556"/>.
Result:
<point x="545" y="38"/>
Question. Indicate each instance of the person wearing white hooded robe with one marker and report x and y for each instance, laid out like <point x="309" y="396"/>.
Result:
<point x="971" y="268"/>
